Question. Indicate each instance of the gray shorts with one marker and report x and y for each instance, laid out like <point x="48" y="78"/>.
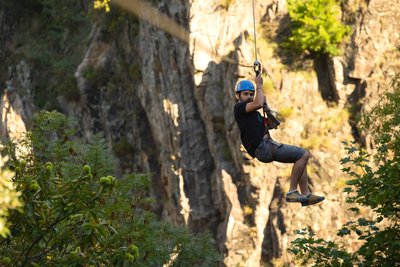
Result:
<point x="269" y="150"/>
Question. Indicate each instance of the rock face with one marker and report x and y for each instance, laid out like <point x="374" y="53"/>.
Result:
<point x="12" y="114"/>
<point x="166" y="107"/>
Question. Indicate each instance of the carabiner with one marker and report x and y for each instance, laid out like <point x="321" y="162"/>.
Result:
<point x="257" y="67"/>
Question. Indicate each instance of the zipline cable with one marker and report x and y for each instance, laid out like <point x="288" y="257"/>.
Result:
<point x="255" y="34"/>
<point x="257" y="64"/>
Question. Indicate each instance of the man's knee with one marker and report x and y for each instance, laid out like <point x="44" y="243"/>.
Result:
<point x="306" y="155"/>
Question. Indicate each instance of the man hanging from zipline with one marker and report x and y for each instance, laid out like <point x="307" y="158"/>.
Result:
<point x="254" y="132"/>
<point x="255" y="136"/>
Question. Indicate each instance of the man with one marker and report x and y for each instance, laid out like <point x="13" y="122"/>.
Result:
<point x="258" y="143"/>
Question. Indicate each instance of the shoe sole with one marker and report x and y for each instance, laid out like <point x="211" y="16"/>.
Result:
<point x="306" y="203"/>
<point x="296" y="201"/>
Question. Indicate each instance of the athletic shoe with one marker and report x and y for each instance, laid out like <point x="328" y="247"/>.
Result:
<point x="312" y="199"/>
<point x="295" y="196"/>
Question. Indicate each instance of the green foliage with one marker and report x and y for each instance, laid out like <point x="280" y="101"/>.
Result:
<point x="374" y="183"/>
<point x="316" y="26"/>
<point x="376" y="188"/>
<point x="323" y="253"/>
<point x="77" y="213"/>
<point x="9" y="197"/>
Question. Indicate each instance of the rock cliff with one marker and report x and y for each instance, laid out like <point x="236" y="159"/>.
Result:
<point x="165" y="106"/>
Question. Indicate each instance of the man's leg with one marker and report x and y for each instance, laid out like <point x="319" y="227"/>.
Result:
<point x="305" y="191"/>
<point x="306" y="198"/>
<point x="299" y="168"/>
<point x="303" y="183"/>
<point x="299" y="174"/>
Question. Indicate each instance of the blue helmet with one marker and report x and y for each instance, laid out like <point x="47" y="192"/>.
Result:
<point x="244" y="85"/>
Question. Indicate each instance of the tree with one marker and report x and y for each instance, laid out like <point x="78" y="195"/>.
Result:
<point x="373" y="185"/>
<point x="77" y="213"/>
<point x="316" y="26"/>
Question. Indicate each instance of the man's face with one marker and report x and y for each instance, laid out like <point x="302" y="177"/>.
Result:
<point x="246" y="96"/>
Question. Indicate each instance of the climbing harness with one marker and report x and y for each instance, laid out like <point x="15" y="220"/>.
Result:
<point x="270" y="121"/>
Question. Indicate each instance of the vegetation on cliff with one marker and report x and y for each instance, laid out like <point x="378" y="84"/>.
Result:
<point x="316" y="26"/>
<point x="77" y="213"/>
<point x="51" y="37"/>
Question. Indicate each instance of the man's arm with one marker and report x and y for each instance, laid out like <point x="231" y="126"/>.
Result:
<point x="265" y="105"/>
<point x="259" y="98"/>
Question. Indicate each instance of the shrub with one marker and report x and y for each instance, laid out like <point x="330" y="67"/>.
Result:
<point x="77" y="213"/>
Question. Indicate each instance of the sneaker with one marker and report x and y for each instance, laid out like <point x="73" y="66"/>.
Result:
<point x="295" y="196"/>
<point x="312" y="199"/>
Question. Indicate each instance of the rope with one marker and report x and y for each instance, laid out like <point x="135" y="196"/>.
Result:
<point x="254" y="28"/>
<point x="257" y="65"/>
